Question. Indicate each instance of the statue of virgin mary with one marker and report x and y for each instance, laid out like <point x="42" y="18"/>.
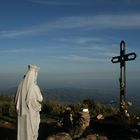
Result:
<point x="28" y="105"/>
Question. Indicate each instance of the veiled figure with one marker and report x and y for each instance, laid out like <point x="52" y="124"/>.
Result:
<point x="28" y="105"/>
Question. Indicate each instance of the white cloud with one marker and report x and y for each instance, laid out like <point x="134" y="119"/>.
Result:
<point x="17" y="51"/>
<point x="15" y="33"/>
<point x="56" y="2"/>
<point x="80" y="40"/>
<point x="82" y="58"/>
<point x="80" y="22"/>
<point x="100" y="21"/>
<point x="84" y="2"/>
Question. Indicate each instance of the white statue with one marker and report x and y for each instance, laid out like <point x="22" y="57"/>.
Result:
<point x="28" y="105"/>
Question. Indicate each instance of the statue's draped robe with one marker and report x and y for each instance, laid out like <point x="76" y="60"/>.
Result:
<point x="27" y="100"/>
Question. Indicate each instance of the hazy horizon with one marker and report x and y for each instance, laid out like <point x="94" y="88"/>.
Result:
<point x="87" y="81"/>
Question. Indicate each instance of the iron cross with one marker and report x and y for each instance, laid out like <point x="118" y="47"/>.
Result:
<point x="122" y="59"/>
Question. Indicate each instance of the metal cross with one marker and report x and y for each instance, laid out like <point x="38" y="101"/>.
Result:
<point x="122" y="59"/>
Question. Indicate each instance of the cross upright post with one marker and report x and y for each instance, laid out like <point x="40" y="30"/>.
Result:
<point x="122" y="73"/>
<point x="122" y="59"/>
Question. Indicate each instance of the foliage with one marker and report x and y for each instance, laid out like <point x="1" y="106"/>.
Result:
<point x="7" y="108"/>
<point x="97" y="108"/>
<point x="53" y="109"/>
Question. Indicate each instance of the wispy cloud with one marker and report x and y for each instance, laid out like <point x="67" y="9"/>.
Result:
<point x="14" y="33"/>
<point x="56" y="2"/>
<point x="82" y="58"/>
<point x="81" y="2"/>
<point x="17" y="51"/>
<point x="83" y="44"/>
<point x="80" y="40"/>
<point x="101" y="21"/>
<point x="80" y="22"/>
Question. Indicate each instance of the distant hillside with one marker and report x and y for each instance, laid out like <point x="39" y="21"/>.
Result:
<point x="74" y="95"/>
<point x="8" y="91"/>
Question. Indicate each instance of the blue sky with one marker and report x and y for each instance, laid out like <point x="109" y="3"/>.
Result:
<point x="72" y="41"/>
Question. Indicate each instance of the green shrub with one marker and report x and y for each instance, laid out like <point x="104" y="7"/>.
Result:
<point x="51" y="108"/>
